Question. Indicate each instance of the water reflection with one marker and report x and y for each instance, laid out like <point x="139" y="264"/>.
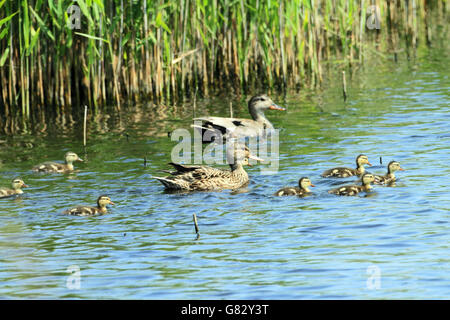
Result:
<point x="252" y="244"/>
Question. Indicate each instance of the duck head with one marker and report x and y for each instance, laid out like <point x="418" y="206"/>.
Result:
<point x="103" y="201"/>
<point x="18" y="184"/>
<point x="304" y="184"/>
<point x="70" y="157"/>
<point x="394" y="166"/>
<point x="367" y="179"/>
<point x="258" y="104"/>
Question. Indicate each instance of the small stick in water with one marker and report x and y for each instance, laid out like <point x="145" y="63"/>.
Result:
<point x="84" y="130"/>
<point x="195" y="100"/>
<point x="344" y="86"/>
<point x="196" y="225"/>
<point x="381" y="160"/>
<point x="145" y="162"/>
<point x="231" y="109"/>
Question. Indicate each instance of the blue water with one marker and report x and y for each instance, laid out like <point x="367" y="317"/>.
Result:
<point x="390" y="244"/>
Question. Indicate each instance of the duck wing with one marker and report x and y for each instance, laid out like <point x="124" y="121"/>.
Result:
<point x="346" y="190"/>
<point x="82" y="211"/>
<point x="233" y="127"/>
<point x="49" y="167"/>
<point x="5" y="192"/>
<point x="197" y="172"/>
<point x="288" y="191"/>
<point x="339" y="172"/>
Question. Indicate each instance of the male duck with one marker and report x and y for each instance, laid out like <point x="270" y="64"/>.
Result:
<point x="102" y="201"/>
<point x="238" y="127"/>
<point x="70" y="157"/>
<point x="341" y="172"/>
<point x="17" y="185"/>
<point x="302" y="189"/>
<point x="204" y="178"/>
<point x="353" y="190"/>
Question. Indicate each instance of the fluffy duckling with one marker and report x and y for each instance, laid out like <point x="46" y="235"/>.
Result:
<point x="353" y="190"/>
<point x="390" y="176"/>
<point x="70" y="157"/>
<point x="301" y="190"/>
<point x="17" y="185"/>
<point x="204" y="178"/>
<point x="341" y="172"/>
<point x="102" y="201"/>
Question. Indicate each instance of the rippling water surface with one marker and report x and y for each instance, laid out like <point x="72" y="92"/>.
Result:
<point x="252" y="245"/>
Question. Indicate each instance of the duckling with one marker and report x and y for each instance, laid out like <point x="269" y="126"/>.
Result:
<point x="353" y="190"/>
<point x="204" y="178"/>
<point x="390" y="176"/>
<point x="102" y="201"/>
<point x="69" y="157"/>
<point x="341" y="172"/>
<point x="301" y="190"/>
<point x="17" y="185"/>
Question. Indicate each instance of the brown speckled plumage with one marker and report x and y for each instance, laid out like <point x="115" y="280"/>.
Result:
<point x="342" y="172"/>
<point x="102" y="202"/>
<point x="55" y="167"/>
<point x="353" y="190"/>
<point x="204" y="178"/>
<point x="301" y="190"/>
<point x="17" y="185"/>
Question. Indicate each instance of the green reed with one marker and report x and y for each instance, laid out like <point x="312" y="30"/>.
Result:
<point x="127" y="51"/>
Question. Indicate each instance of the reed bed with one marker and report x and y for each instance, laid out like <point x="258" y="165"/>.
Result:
<point x="123" y="51"/>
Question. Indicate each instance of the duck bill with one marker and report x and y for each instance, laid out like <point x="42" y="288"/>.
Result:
<point x="276" y="107"/>
<point x="112" y="203"/>
<point x="255" y="158"/>
<point x="401" y="169"/>
<point x="24" y="186"/>
<point x="79" y="159"/>
<point x="312" y="185"/>
<point x="369" y="164"/>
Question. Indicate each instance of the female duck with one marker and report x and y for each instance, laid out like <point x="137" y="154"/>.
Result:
<point x="70" y="157"/>
<point x="389" y="178"/>
<point x="102" y="202"/>
<point x="238" y="127"/>
<point x="353" y="190"/>
<point x="17" y="185"/>
<point x="204" y="178"/>
<point x="341" y="172"/>
<point x="302" y="189"/>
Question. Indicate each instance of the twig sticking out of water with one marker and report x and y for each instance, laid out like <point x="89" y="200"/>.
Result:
<point x="145" y="162"/>
<point x="195" y="100"/>
<point x="381" y="160"/>
<point x="344" y="86"/>
<point x="84" y="126"/>
<point x="196" y="225"/>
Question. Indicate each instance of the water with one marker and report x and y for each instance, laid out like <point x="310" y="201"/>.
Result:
<point x="392" y="244"/>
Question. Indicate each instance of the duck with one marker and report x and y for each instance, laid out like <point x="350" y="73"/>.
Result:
<point x="17" y="185"/>
<point x="341" y="172"/>
<point x="55" y="167"/>
<point x="204" y="178"/>
<point x="227" y="128"/>
<point x="352" y="190"/>
<point x="301" y="190"/>
<point x="389" y="178"/>
<point x="102" y="202"/>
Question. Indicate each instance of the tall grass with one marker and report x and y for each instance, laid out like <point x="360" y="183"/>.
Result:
<point x="126" y="51"/>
